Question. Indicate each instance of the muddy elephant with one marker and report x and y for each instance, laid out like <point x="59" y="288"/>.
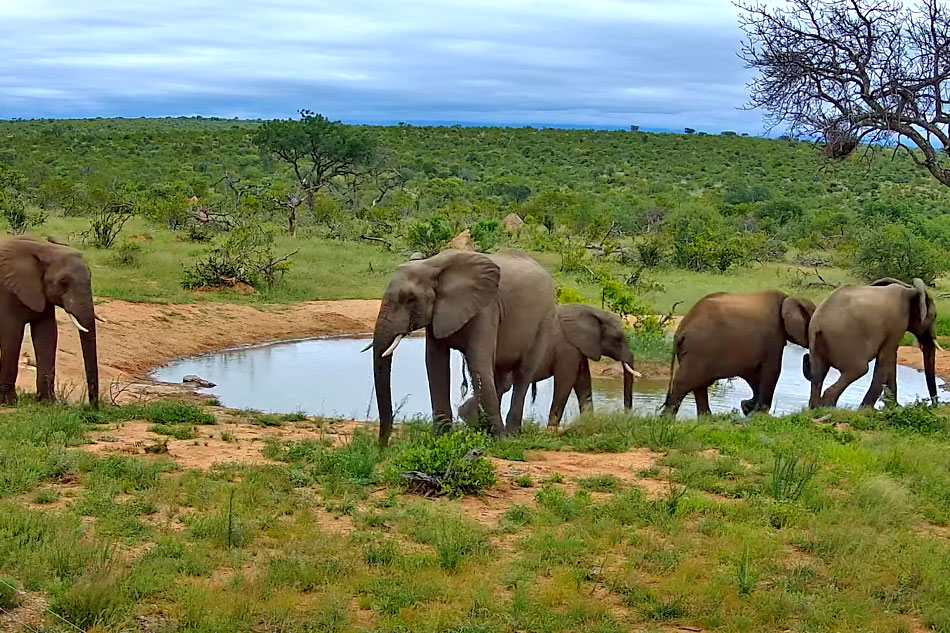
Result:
<point x="489" y="307"/>
<point x="858" y="324"/>
<point x="579" y="333"/>
<point x="35" y="277"/>
<point x="727" y="335"/>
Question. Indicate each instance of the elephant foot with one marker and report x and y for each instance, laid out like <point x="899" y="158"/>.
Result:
<point x="748" y="406"/>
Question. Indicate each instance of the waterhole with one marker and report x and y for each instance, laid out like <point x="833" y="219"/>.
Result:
<point x="330" y="377"/>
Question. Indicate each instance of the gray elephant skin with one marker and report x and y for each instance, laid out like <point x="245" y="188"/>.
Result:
<point x="858" y="324"/>
<point x="579" y="334"/>
<point x="489" y="307"/>
<point x="728" y="335"/>
<point x="35" y="277"/>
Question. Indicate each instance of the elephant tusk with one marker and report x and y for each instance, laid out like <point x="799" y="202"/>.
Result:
<point x="367" y="348"/>
<point x="100" y="319"/>
<point x="392" y="348"/>
<point x="938" y="345"/>
<point x="630" y="370"/>
<point x="77" y="323"/>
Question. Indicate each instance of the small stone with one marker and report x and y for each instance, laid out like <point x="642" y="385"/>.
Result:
<point x="416" y="256"/>
<point x="198" y="381"/>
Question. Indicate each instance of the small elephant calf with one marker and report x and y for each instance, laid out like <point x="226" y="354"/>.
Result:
<point x="579" y="333"/>
<point x="727" y="335"/>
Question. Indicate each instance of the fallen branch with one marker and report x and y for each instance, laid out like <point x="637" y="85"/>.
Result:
<point x="377" y="239"/>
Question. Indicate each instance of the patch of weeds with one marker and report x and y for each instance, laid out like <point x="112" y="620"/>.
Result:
<point x="456" y="460"/>
<point x="599" y="483"/>
<point x="170" y="412"/>
<point x="523" y="481"/>
<point x="390" y="595"/>
<point x="177" y="431"/>
<point x="46" y="496"/>
<point x="95" y="599"/>
<point x="129" y="473"/>
<point x="10" y="597"/>
<point x="453" y="538"/>
<point x="332" y="616"/>
<point x="516" y="517"/>
<point x="304" y="573"/>
<point x="227" y="436"/>
<point x="548" y="548"/>
<point x="555" y="478"/>
<point x="651" y="472"/>
<point x="745" y="575"/>
<point x="226" y="528"/>
<point x="354" y="461"/>
<point x="916" y="418"/>
<point x="562" y="507"/>
<point x="791" y="474"/>
<point x="665" y="609"/>
<point x="509" y="448"/>
<point x="663" y="434"/>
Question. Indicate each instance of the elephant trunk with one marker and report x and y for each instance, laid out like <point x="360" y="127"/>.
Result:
<point x="384" y="336"/>
<point x="81" y="312"/>
<point x="929" y="350"/>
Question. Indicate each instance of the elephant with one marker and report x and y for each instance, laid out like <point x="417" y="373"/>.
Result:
<point x="727" y="335"/>
<point x="489" y="307"/>
<point x="857" y="324"/>
<point x="35" y="277"/>
<point x="579" y="333"/>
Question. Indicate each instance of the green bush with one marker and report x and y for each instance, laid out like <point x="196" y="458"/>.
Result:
<point x="918" y="418"/>
<point x="428" y="235"/>
<point x="13" y="207"/>
<point x="456" y="459"/>
<point x="654" y="249"/>
<point x="703" y="241"/>
<point x="246" y="256"/>
<point x="170" y="412"/>
<point x="128" y="255"/>
<point x="486" y="234"/>
<point x="9" y="596"/>
<point x="894" y="250"/>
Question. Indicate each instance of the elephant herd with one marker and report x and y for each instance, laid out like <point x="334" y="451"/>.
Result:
<point x="499" y="311"/>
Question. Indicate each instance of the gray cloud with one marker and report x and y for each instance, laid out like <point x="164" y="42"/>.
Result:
<point x="557" y="62"/>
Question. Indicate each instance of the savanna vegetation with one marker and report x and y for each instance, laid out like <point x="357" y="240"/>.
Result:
<point x="811" y="522"/>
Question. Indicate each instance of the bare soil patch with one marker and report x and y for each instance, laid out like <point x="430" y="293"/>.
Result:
<point x="910" y="355"/>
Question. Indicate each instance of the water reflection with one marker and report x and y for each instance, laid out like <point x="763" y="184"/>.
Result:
<point x="330" y="377"/>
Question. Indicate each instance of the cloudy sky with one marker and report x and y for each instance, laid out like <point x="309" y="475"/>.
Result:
<point x="659" y="64"/>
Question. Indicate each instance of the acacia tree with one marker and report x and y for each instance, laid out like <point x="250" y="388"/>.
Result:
<point x="853" y="71"/>
<point x="318" y="150"/>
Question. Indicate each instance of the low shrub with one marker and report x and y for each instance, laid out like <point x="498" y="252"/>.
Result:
<point x="170" y="412"/>
<point x="894" y="250"/>
<point x="917" y="418"/>
<point x="128" y="255"/>
<point x="245" y="256"/>
<point x="428" y="235"/>
<point x="486" y="234"/>
<point x="455" y="459"/>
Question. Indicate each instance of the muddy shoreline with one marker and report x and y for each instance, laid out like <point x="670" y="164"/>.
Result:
<point x="137" y="337"/>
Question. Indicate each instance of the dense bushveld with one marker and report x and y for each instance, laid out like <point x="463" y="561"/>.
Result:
<point x="636" y="220"/>
<point x="805" y="523"/>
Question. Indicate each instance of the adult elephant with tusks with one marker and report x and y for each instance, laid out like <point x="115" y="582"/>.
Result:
<point x="858" y="324"/>
<point x="35" y="277"/>
<point x="489" y="307"/>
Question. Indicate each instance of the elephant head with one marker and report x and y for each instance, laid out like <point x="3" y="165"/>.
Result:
<point x="599" y="333"/>
<point x="922" y="321"/>
<point x="43" y="274"/>
<point x="796" y="315"/>
<point x="441" y="293"/>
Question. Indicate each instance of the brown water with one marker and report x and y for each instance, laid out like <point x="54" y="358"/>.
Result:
<point x="330" y="377"/>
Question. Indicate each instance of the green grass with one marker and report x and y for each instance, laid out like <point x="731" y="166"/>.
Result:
<point x="768" y="524"/>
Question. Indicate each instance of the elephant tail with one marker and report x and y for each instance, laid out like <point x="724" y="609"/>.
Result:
<point x="677" y="343"/>
<point x="534" y="392"/>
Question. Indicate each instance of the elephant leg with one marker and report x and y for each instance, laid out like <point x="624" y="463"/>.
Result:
<point x="768" y="379"/>
<point x="439" y="374"/>
<point x="11" y="340"/>
<point x="563" y="383"/>
<point x="481" y="364"/>
<point x="754" y="378"/>
<point x="582" y="388"/>
<point x="818" y="370"/>
<point x="848" y="376"/>
<point x="702" y="400"/>
<point x="885" y="366"/>
<point x="44" y="333"/>
<point x="679" y="387"/>
<point x="891" y="382"/>
<point x="516" y="407"/>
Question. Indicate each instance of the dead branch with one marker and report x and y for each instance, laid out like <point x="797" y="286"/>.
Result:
<point x="388" y="244"/>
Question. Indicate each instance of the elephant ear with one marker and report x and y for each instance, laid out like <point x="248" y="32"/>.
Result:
<point x="921" y="289"/>
<point x="582" y="329"/>
<point x="888" y="281"/>
<point x="465" y="283"/>
<point x="796" y="314"/>
<point x="21" y="274"/>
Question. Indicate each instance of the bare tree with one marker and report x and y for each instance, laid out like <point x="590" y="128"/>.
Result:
<point x="855" y="71"/>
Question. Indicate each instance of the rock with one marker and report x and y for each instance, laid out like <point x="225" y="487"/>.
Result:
<point x="197" y="381"/>
<point x="513" y="222"/>
<point x="416" y="256"/>
<point x="463" y="242"/>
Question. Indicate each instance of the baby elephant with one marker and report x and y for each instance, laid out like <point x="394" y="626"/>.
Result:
<point x="727" y="335"/>
<point x="579" y="333"/>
